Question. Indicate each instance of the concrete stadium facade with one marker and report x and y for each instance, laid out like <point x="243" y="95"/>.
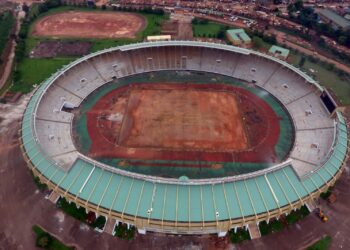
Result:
<point x="170" y="205"/>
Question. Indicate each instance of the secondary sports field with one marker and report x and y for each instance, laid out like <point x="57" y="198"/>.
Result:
<point x="81" y="24"/>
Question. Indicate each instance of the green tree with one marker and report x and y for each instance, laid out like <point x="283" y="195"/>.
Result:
<point x="258" y="42"/>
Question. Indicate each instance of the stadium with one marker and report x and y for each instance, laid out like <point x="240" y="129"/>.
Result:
<point x="184" y="137"/>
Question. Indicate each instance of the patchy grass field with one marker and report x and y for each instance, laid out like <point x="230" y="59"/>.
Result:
<point x="327" y="77"/>
<point x="331" y="80"/>
<point x="211" y="29"/>
<point x="7" y="21"/>
<point x="34" y="71"/>
<point x="322" y="244"/>
<point x="46" y="241"/>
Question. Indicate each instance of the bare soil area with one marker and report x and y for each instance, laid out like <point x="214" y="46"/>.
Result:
<point x="183" y="119"/>
<point x="206" y="122"/>
<point x="49" y="49"/>
<point x="82" y="24"/>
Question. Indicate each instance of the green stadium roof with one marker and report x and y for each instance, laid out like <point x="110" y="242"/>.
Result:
<point x="182" y="201"/>
<point x="276" y="50"/>
<point x="238" y="35"/>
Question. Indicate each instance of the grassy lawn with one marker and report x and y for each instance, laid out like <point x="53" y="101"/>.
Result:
<point x="322" y="244"/>
<point x="326" y="76"/>
<point x="47" y="241"/>
<point x="259" y="44"/>
<point x="33" y="71"/>
<point x="330" y="79"/>
<point x="211" y="29"/>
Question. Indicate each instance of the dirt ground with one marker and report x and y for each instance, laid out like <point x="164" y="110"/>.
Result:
<point x="183" y="119"/>
<point x="48" y="49"/>
<point x="179" y="27"/>
<point x="152" y="126"/>
<point x="81" y="24"/>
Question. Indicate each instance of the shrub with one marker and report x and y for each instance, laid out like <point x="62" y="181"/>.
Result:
<point x="123" y="232"/>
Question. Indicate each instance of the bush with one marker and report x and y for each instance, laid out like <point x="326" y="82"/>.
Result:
<point x="122" y="231"/>
<point x="258" y="42"/>
<point x="72" y="210"/>
<point x="47" y="241"/>
<point x="99" y="222"/>
<point x="272" y="227"/>
<point x="44" y="240"/>
<point x="41" y="186"/>
<point x="239" y="236"/>
<point x="297" y="215"/>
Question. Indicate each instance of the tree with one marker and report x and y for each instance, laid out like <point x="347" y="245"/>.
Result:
<point x="25" y="8"/>
<point x="302" y="62"/>
<point x="258" y="42"/>
<point x="342" y="40"/>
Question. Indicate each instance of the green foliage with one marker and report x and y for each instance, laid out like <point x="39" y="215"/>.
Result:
<point x="297" y="215"/>
<point x="239" y="236"/>
<point x="207" y="28"/>
<point x="7" y="21"/>
<point x="302" y="61"/>
<point x="258" y="43"/>
<point x="322" y="244"/>
<point x="326" y="194"/>
<point x="199" y="21"/>
<point x="34" y="71"/>
<point x="272" y="227"/>
<point x="307" y="17"/>
<point x="121" y="231"/>
<point x="72" y="210"/>
<point x="47" y="241"/>
<point x="99" y="222"/>
<point x="44" y="240"/>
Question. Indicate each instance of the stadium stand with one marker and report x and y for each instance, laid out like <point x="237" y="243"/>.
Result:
<point x="173" y="205"/>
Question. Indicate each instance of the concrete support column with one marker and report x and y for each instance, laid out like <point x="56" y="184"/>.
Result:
<point x="222" y="234"/>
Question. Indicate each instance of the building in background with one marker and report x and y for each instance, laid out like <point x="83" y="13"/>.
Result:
<point x="238" y="37"/>
<point x="279" y="52"/>
<point x="337" y="21"/>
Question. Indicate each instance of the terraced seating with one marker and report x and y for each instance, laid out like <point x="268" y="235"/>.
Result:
<point x="170" y="205"/>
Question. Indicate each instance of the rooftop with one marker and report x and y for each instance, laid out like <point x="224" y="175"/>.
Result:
<point x="335" y="18"/>
<point x="282" y="52"/>
<point x="238" y="35"/>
